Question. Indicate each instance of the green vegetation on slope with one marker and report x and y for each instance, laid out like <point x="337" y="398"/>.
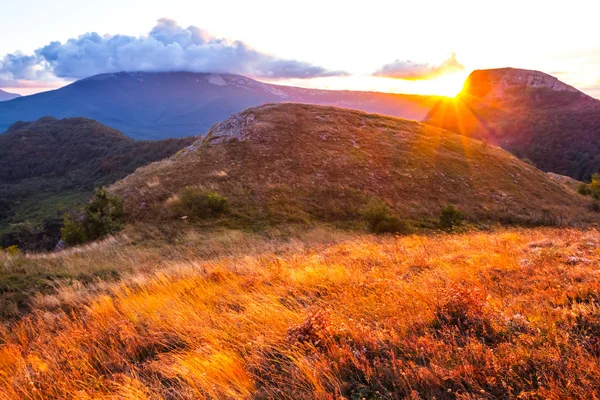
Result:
<point x="50" y="166"/>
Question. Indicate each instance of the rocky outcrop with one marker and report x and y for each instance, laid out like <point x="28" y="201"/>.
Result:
<point x="493" y="83"/>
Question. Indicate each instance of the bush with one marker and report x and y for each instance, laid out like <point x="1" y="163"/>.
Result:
<point x="193" y="202"/>
<point x="380" y="220"/>
<point x="595" y="186"/>
<point x="102" y="216"/>
<point x="13" y="250"/>
<point x="595" y="206"/>
<point x="72" y="231"/>
<point x="584" y="189"/>
<point x="450" y="218"/>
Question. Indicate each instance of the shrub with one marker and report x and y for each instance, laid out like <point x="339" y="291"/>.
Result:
<point x="595" y="206"/>
<point x="380" y="220"/>
<point x="392" y="225"/>
<point x="13" y="250"/>
<point x="72" y="232"/>
<point x="195" y="203"/>
<point x="595" y="186"/>
<point x="450" y="217"/>
<point x="584" y="189"/>
<point x="102" y="216"/>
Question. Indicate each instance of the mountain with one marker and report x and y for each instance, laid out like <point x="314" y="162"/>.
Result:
<point x="529" y="113"/>
<point x="50" y="165"/>
<point x="146" y="105"/>
<point x="4" y="96"/>
<point x="292" y="162"/>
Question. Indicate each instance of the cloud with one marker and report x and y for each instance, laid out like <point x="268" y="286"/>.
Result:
<point x="412" y="71"/>
<point x="168" y="47"/>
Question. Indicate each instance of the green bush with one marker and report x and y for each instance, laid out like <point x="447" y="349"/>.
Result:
<point x="450" y="218"/>
<point x="584" y="189"/>
<point x="102" y="216"/>
<point x="380" y="220"/>
<point x="193" y="202"/>
<point x="72" y="231"/>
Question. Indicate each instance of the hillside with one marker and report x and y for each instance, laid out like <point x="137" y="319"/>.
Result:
<point x="148" y="105"/>
<point x="50" y="165"/>
<point x="302" y="163"/>
<point x="531" y="114"/>
<point x="4" y="96"/>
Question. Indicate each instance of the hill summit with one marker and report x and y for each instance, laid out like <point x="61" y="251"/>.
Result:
<point x="531" y="114"/>
<point x="5" y="96"/>
<point x="293" y="162"/>
<point x="496" y="83"/>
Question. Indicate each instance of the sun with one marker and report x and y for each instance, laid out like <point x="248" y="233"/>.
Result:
<point x="446" y="85"/>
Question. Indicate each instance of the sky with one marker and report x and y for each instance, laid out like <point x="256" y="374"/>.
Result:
<point x="423" y="47"/>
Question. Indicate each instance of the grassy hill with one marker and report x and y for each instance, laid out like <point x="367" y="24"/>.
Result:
<point x="50" y="165"/>
<point x="530" y="114"/>
<point x="303" y="163"/>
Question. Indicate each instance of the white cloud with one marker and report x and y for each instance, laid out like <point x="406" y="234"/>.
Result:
<point x="168" y="47"/>
<point x="410" y="70"/>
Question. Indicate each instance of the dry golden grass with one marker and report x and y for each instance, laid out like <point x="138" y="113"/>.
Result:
<point x="507" y="314"/>
<point x="138" y="249"/>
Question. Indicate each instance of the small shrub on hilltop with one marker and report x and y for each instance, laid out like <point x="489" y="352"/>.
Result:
<point x="380" y="219"/>
<point x="102" y="216"/>
<point x="195" y="203"/>
<point x="450" y="218"/>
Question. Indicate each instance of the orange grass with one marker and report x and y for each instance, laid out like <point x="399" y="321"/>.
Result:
<point x="514" y="313"/>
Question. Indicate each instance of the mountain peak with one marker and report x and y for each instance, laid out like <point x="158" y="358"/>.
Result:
<point x="495" y="83"/>
<point x="153" y="105"/>
<point x="5" y="96"/>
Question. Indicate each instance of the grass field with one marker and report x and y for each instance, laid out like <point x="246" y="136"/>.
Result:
<point x="512" y="313"/>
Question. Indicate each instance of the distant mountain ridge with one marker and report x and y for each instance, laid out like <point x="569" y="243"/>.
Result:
<point x="5" y="96"/>
<point x="529" y="113"/>
<point x="155" y="105"/>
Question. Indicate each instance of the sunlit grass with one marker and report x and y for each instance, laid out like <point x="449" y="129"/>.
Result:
<point x="475" y="315"/>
